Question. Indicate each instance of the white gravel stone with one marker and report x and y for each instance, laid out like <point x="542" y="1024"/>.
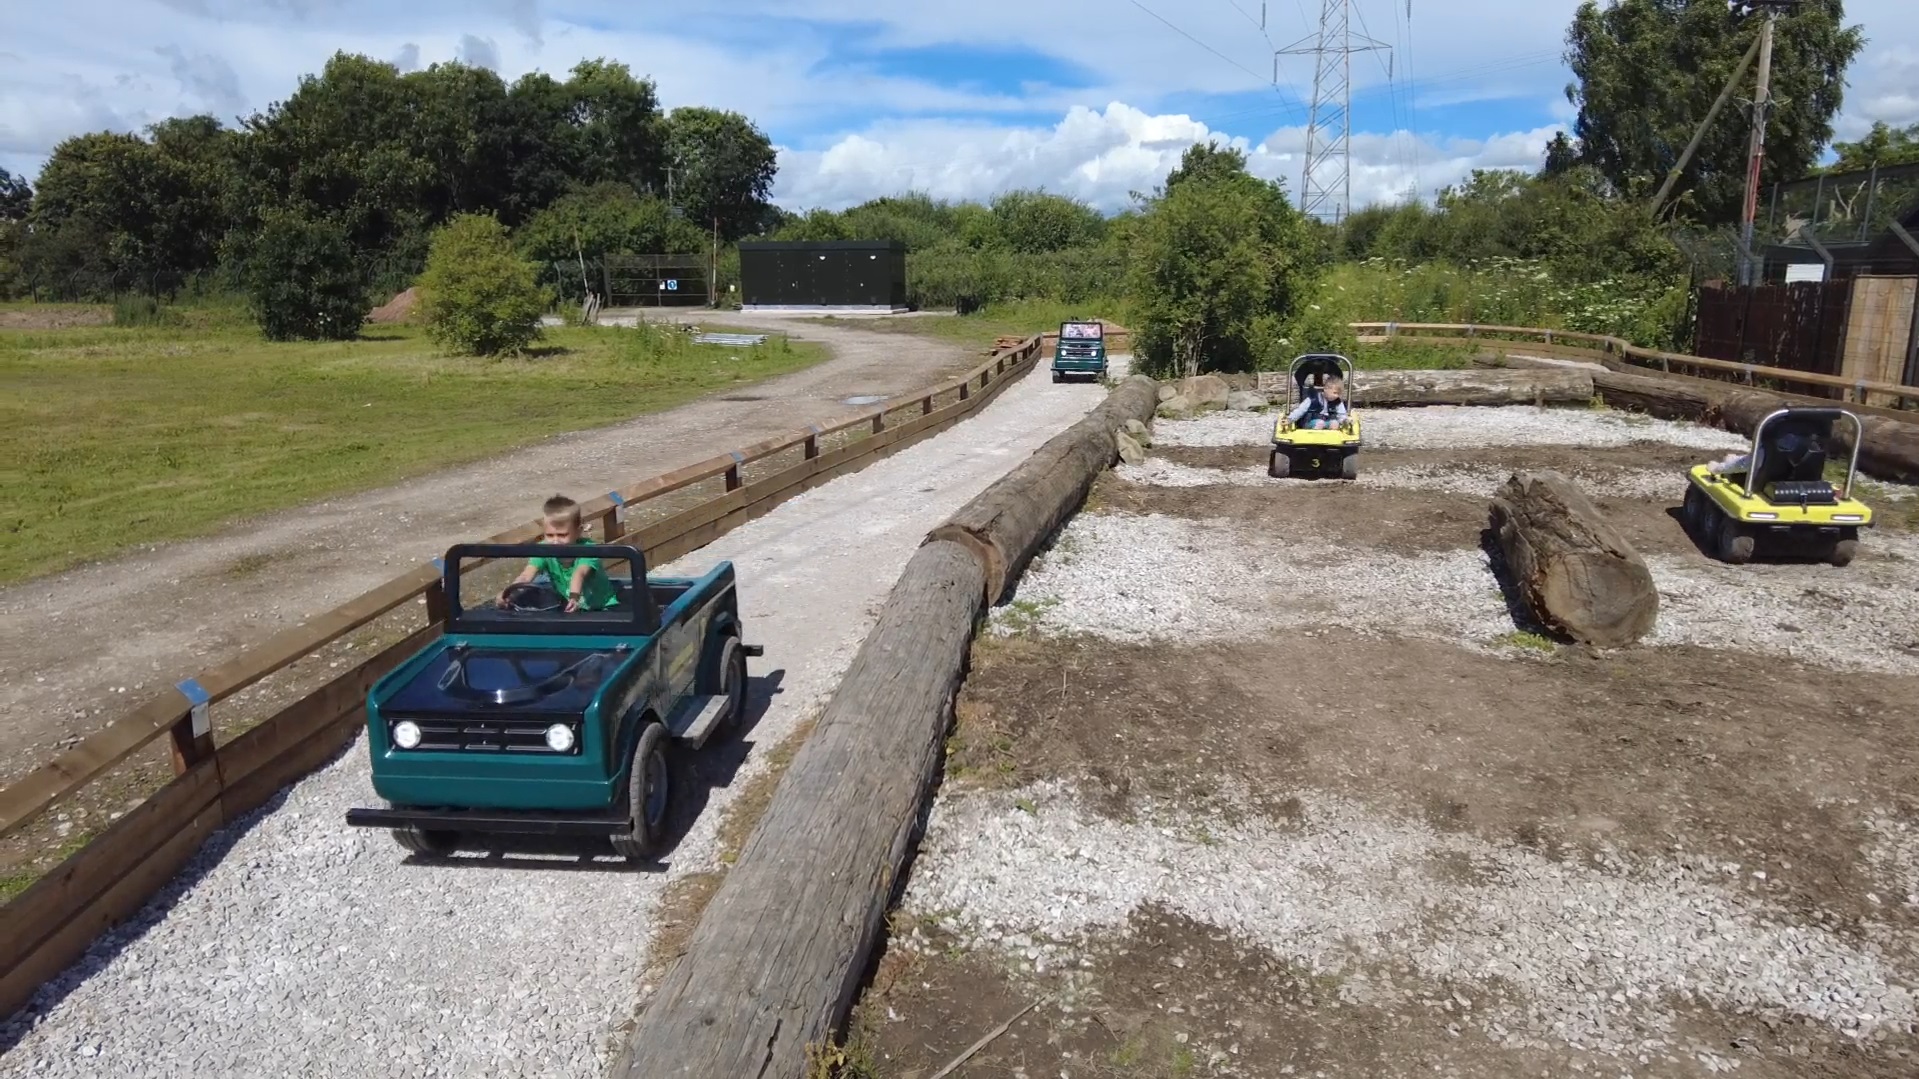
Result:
<point x="1138" y="578"/>
<point x="1464" y="427"/>
<point x="295" y="945"/>
<point x="1560" y="951"/>
<point x="1478" y="481"/>
<point x="1152" y="577"/>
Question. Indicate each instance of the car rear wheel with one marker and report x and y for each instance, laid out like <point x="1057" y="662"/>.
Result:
<point x="1349" y="468"/>
<point x="1843" y="552"/>
<point x="431" y="843"/>
<point x="649" y="795"/>
<point x="733" y="683"/>
<point x="1735" y="542"/>
<point x="1279" y="466"/>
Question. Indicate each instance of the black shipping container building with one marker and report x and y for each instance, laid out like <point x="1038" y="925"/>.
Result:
<point x="835" y="275"/>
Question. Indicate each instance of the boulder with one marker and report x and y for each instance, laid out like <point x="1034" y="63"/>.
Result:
<point x="1177" y="407"/>
<point x="1130" y="451"/>
<point x="1205" y="391"/>
<point x="1135" y="428"/>
<point x="1167" y="392"/>
<point x="1246" y="401"/>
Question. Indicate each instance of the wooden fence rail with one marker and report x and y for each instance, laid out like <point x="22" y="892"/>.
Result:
<point x="51" y="923"/>
<point x="1571" y="344"/>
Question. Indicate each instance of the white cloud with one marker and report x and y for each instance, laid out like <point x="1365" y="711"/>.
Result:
<point x="1101" y="156"/>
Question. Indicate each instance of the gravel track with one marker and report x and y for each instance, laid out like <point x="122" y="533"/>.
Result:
<point x="1595" y="956"/>
<point x="1479" y="481"/>
<point x="295" y="945"/>
<point x="1463" y="426"/>
<point x="157" y="614"/>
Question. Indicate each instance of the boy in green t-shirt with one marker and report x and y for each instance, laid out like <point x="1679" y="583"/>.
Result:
<point x="583" y="579"/>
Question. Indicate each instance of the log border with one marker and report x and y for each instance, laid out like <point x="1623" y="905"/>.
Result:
<point x="54" y="921"/>
<point x="774" y="966"/>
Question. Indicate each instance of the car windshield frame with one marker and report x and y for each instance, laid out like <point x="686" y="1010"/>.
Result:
<point x="1098" y="331"/>
<point x="639" y="615"/>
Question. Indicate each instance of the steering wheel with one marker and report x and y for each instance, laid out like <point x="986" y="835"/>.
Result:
<point x="528" y="597"/>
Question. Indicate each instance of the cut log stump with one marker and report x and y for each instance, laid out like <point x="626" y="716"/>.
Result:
<point x="1574" y="571"/>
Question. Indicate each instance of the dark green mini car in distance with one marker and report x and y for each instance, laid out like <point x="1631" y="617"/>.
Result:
<point x="525" y="718"/>
<point x="1080" y="350"/>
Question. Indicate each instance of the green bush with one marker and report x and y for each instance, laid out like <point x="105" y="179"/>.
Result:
<point x="302" y="282"/>
<point x="478" y="295"/>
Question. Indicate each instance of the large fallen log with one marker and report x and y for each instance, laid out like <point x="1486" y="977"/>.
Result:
<point x="1574" y="571"/>
<point x="1009" y="521"/>
<point x="1473" y="386"/>
<point x="779" y="953"/>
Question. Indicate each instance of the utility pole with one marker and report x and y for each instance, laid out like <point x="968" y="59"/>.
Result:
<point x="1326" y="183"/>
<point x="1738" y="73"/>
<point x="1756" y="154"/>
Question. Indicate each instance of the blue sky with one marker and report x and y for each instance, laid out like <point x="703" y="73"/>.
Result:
<point x="1092" y="98"/>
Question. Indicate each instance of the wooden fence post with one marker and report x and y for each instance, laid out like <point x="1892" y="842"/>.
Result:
<point x="191" y="736"/>
<point x="733" y="473"/>
<point x="812" y="449"/>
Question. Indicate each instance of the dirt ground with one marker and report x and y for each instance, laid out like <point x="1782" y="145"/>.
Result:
<point x="76" y="648"/>
<point x="1269" y="843"/>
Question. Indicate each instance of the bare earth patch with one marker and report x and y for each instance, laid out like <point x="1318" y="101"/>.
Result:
<point x="1263" y="778"/>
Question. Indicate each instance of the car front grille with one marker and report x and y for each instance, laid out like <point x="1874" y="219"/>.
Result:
<point x="483" y="736"/>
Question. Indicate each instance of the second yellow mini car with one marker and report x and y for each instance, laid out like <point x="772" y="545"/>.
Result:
<point x="1318" y="434"/>
<point x="1775" y="499"/>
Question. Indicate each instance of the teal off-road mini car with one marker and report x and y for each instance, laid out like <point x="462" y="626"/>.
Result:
<point x="525" y="718"/>
<point x="1080" y="350"/>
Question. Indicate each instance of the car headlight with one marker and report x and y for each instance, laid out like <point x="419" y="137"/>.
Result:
<point x="1847" y="517"/>
<point x="559" y="738"/>
<point x="406" y="734"/>
<point x="1759" y="515"/>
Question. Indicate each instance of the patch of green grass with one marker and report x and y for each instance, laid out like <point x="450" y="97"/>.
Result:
<point x="1400" y="355"/>
<point x="1528" y="640"/>
<point x="15" y="881"/>
<point x="116" y="435"/>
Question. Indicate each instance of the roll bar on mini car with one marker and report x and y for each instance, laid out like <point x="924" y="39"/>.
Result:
<point x="1340" y="361"/>
<point x="1759" y="433"/>
<point x="644" y="615"/>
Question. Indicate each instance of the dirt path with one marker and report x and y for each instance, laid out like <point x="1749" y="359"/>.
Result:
<point x="294" y="945"/>
<point x="77" y="647"/>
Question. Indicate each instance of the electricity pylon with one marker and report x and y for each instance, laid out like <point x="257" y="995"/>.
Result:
<point x="1326" y="185"/>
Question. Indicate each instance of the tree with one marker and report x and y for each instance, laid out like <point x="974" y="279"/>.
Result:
<point x="1646" y="72"/>
<point x="605" y="219"/>
<point x="302" y="279"/>
<point x="723" y="168"/>
<point x="16" y="197"/>
<point x="1561" y="155"/>
<point x="1882" y="146"/>
<point x="478" y="295"/>
<point x="1209" y="161"/>
<point x="1034" y="222"/>
<point x="1220" y="260"/>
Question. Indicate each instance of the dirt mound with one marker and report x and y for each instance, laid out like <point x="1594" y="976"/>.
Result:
<point x="398" y="309"/>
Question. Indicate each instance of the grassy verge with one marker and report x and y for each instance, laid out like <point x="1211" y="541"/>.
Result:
<point x="1020" y="318"/>
<point x="1397" y="355"/>
<point x="120" y="435"/>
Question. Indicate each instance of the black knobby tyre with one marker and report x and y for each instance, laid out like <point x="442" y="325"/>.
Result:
<point x="733" y="684"/>
<point x="428" y="842"/>
<point x="649" y="796"/>
<point x="1693" y="513"/>
<point x="1736" y="543"/>
<point x="1279" y="466"/>
<point x="1349" y="468"/>
<point x="1843" y="552"/>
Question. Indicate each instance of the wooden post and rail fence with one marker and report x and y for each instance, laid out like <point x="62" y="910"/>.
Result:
<point x="50" y="924"/>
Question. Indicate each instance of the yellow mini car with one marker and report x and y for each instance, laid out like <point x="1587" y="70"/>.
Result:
<point x="1776" y="499"/>
<point x="1300" y="446"/>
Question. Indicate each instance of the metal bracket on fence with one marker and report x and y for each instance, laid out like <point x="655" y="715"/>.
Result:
<point x="1472" y="331"/>
<point x="198" y="698"/>
<point x="1859" y="391"/>
<point x="619" y="507"/>
<point x="1392" y="329"/>
<point x="439" y="565"/>
<point x="738" y="457"/>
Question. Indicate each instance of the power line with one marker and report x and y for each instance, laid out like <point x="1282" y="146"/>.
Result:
<point x="1208" y="48"/>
